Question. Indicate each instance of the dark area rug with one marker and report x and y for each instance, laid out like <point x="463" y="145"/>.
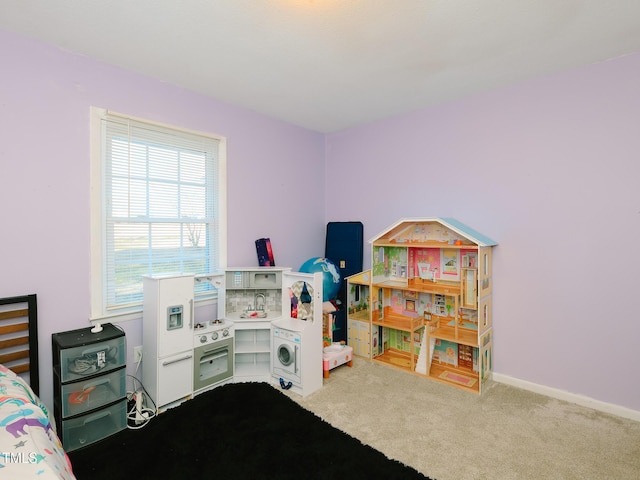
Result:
<point x="243" y="431"/>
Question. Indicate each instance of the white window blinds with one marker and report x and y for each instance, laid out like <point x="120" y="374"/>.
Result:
<point x="161" y="188"/>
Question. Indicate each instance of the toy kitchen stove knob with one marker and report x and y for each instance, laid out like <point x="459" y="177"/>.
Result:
<point x="203" y="339"/>
<point x="225" y="332"/>
<point x="214" y="336"/>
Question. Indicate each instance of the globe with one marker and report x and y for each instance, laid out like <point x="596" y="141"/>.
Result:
<point x="331" y="278"/>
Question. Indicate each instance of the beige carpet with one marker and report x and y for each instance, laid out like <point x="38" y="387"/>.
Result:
<point x="449" y="434"/>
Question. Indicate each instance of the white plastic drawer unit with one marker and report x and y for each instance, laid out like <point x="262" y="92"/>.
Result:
<point x="92" y="393"/>
<point x="83" y="430"/>
<point x="80" y="362"/>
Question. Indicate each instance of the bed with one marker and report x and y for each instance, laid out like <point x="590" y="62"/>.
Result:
<point x="29" y="445"/>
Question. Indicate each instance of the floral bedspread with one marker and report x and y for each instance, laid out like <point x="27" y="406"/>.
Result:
<point x="29" y="446"/>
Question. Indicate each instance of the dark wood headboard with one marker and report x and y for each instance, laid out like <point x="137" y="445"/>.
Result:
<point x="19" y="337"/>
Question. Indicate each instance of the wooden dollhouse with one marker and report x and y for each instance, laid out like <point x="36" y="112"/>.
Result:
<point x="425" y="305"/>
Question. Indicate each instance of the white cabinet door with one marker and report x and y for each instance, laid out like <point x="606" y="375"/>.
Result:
<point x="175" y="377"/>
<point x="175" y="330"/>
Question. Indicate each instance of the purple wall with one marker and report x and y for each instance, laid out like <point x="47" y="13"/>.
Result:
<point x="549" y="169"/>
<point x="275" y="177"/>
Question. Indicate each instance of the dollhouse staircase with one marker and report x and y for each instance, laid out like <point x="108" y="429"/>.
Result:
<point x="421" y="365"/>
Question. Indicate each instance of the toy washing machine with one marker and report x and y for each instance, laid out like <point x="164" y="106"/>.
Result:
<point x="287" y="355"/>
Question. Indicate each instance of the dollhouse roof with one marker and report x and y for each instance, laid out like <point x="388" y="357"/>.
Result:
<point x="450" y="223"/>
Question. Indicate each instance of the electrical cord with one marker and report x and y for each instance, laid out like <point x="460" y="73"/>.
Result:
<point x="139" y="418"/>
<point x="91" y="363"/>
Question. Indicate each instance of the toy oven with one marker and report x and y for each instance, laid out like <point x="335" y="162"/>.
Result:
<point x="213" y="363"/>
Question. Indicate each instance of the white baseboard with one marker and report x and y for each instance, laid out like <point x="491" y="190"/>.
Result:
<point x="569" y="397"/>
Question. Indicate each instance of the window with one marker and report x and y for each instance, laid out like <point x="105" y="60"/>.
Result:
<point x="157" y="207"/>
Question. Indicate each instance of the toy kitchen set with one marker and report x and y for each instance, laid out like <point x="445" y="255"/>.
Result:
<point x="184" y="356"/>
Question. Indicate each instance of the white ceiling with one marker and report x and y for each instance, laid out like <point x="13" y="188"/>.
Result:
<point x="331" y="64"/>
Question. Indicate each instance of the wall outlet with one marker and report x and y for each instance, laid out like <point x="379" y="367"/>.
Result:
<point x="137" y="353"/>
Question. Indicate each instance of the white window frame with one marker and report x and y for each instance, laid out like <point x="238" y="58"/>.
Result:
<point x="98" y="222"/>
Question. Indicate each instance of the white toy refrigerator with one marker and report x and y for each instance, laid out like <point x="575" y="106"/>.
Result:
<point x="167" y="332"/>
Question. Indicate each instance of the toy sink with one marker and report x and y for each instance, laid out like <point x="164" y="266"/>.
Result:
<point x="253" y="314"/>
